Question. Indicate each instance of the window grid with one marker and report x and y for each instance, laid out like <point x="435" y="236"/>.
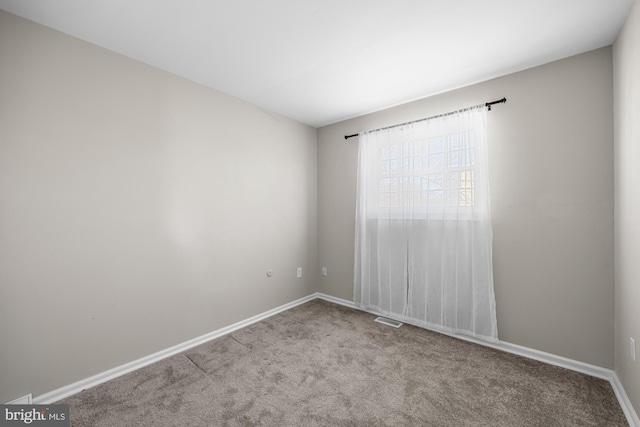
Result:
<point x="439" y="171"/>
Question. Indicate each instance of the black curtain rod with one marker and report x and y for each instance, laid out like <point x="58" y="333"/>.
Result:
<point x="487" y="104"/>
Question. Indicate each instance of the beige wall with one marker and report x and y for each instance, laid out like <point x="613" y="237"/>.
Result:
<point x="626" y="65"/>
<point x="551" y="163"/>
<point x="137" y="209"/>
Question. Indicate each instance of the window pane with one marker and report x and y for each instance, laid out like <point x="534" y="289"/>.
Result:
<point x="454" y="142"/>
<point x="425" y="162"/>
<point x="466" y="197"/>
<point x="453" y="180"/>
<point x="405" y="163"/>
<point x="415" y="163"/>
<point x="406" y="183"/>
<point x="436" y="181"/>
<point x="393" y="185"/>
<point x="436" y="160"/>
<point x="467" y="157"/>
<point x="436" y="145"/>
<point x="386" y="168"/>
<point x="466" y="179"/>
<point x="454" y="159"/>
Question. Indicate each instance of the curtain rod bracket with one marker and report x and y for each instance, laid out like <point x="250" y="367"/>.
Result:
<point x="500" y="101"/>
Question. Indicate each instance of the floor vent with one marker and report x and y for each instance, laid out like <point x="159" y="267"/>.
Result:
<point x="389" y="322"/>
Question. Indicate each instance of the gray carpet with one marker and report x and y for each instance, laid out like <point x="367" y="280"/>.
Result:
<point x="321" y="364"/>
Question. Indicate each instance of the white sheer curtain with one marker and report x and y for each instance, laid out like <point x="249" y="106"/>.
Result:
<point x="423" y="249"/>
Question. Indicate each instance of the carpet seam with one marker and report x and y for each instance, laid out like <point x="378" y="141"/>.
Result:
<point x="196" y="365"/>
<point x="236" y="340"/>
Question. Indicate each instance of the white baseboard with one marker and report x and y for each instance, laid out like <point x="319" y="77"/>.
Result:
<point x="24" y="400"/>
<point x="66" y="391"/>
<point x="337" y="300"/>
<point x="625" y="403"/>
<point x="541" y="356"/>
<point x="529" y="353"/>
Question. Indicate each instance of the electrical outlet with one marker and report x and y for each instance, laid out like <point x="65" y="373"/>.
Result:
<point x="324" y="271"/>
<point x="299" y="272"/>
<point x="633" y="349"/>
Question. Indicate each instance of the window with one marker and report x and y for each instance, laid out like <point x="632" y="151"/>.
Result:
<point x="437" y="171"/>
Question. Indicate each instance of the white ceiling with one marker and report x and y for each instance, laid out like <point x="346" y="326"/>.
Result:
<point x="322" y="61"/>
